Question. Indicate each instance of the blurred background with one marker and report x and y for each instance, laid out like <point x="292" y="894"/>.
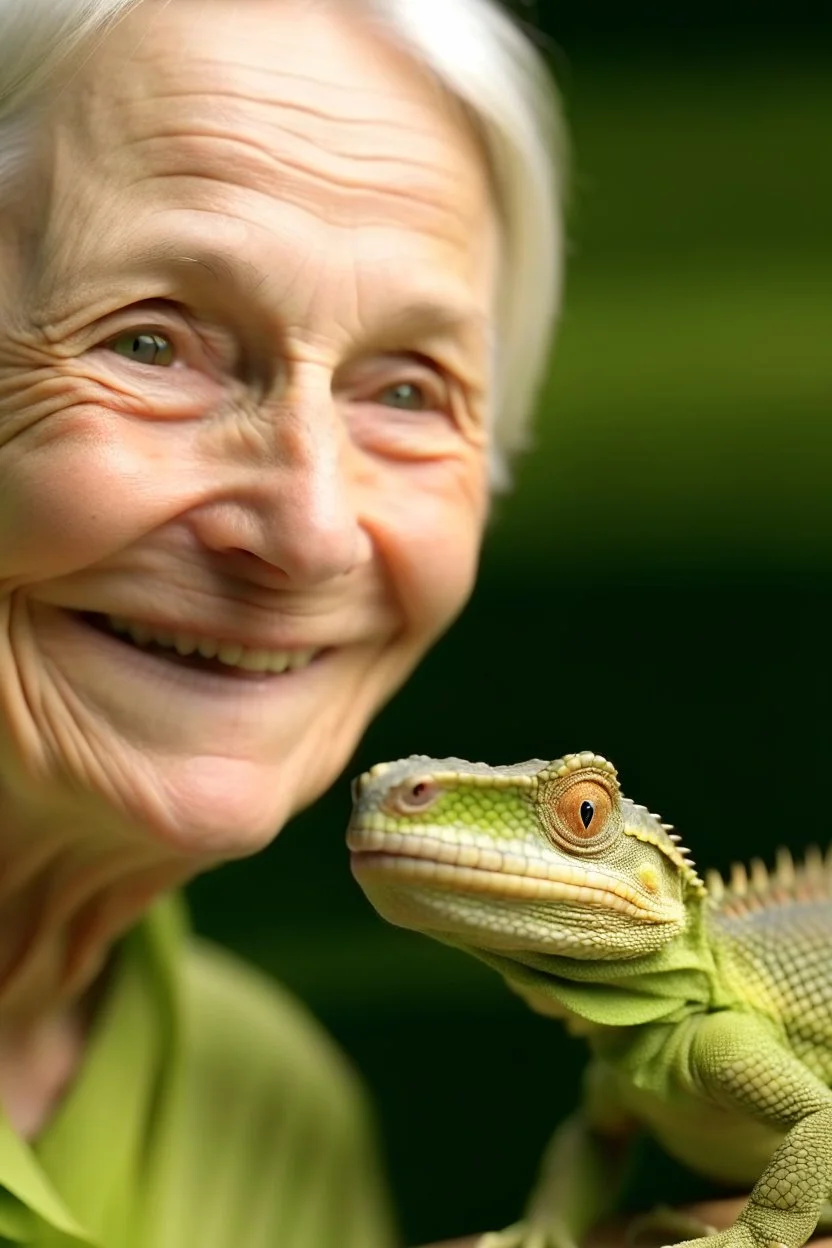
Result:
<point x="657" y="587"/>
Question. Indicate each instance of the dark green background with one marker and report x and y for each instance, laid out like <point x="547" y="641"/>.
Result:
<point x="657" y="587"/>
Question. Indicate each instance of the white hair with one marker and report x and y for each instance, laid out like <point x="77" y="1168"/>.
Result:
<point x="483" y="59"/>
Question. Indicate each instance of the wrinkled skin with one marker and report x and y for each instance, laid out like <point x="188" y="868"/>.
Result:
<point x="306" y="225"/>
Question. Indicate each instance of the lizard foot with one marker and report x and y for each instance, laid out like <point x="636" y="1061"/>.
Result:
<point x="657" y="1225"/>
<point x="527" y="1235"/>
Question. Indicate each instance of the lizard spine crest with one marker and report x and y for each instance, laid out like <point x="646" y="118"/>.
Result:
<point x="758" y="887"/>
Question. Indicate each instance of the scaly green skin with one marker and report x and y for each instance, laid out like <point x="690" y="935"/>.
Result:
<point x="707" y="1008"/>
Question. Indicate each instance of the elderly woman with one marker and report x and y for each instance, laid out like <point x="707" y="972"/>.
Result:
<point x="276" y="279"/>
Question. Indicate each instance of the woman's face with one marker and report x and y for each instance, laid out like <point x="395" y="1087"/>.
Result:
<point x="245" y="314"/>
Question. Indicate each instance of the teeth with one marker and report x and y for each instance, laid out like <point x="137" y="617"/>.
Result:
<point x="231" y="654"/>
<point x="261" y="660"/>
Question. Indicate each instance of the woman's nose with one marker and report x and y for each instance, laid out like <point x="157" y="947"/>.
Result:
<point x="293" y="506"/>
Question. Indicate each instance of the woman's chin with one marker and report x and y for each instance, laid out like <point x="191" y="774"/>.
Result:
<point x="212" y="809"/>
<point x="208" y="807"/>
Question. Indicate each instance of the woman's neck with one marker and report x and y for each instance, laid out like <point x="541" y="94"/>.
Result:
<point x="38" y="1061"/>
<point x="65" y="898"/>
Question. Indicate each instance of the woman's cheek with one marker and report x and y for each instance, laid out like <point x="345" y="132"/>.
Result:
<point x="88" y="465"/>
<point x="429" y="533"/>
<point x="65" y="502"/>
<point x="71" y="498"/>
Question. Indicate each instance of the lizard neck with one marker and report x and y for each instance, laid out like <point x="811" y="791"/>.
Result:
<point x="667" y="984"/>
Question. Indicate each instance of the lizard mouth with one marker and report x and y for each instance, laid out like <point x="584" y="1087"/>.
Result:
<point x="427" y="862"/>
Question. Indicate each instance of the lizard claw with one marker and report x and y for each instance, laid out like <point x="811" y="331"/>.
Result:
<point x="526" y="1235"/>
<point x="511" y="1237"/>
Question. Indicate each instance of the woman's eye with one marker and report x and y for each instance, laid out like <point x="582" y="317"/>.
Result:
<point x="144" y="348"/>
<point x="405" y="395"/>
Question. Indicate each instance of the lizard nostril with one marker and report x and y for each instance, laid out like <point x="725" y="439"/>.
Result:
<point x="413" y="796"/>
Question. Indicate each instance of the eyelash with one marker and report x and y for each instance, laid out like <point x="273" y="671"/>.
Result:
<point x="180" y="339"/>
<point x="417" y="370"/>
<point x="428" y="378"/>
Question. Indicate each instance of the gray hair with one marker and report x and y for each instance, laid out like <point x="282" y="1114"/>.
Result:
<point x="483" y="59"/>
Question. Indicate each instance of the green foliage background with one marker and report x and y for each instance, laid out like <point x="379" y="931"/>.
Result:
<point x="657" y="587"/>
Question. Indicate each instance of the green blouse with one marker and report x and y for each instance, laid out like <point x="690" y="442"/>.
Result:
<point x="210" y="1112"/>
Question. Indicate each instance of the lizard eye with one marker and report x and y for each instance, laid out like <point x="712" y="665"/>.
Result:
<point x="583" y="809"/>
<point x="414" y="795"/>
<point x="579" y="814"/>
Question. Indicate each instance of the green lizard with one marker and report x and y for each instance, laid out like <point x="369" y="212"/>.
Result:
<point x="707" y="1007"/>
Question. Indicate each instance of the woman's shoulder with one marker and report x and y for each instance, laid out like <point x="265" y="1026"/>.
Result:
<point x="264" y="1133"/>
<point x="240" y="1024"/>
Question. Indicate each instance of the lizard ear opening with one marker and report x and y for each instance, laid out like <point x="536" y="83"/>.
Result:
<point x="579" y="813"/>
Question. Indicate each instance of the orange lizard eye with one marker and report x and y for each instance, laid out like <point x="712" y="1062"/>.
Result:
<point x="584" y="809"/>
<point x="579" y="814"/>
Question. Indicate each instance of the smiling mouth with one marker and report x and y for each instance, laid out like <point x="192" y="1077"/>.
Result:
<point x="204" y="654"/>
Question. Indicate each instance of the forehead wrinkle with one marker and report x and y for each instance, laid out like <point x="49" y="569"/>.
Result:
<point x="137" y="99"/>
<point x="395" y="87"/>
<point x="398" y="133"/>
<point x="428" y="193"/>
<point x="275" y="158"/>
<point x="393" y="81"/>
<point x="55" y="263"/>
<point x="206" y="124"/>
<point x="258" y="174"/>
<point x="132" y="156"/>
<point x="328" y="118"/>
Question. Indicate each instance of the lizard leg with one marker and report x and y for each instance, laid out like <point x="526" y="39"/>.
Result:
<point x="739" y="1064"/>
<point x="572" y="1193"/>
<point x="580" y="1175"/>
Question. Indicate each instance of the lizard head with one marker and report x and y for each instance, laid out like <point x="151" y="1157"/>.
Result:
<point x="543" y="857"/>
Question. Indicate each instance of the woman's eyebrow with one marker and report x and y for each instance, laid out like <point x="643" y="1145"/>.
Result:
<point x="224" y="269"/>
<point x="414" y="315"/>
<point x="419" y="320"/>
<point x="420" y="316"/>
